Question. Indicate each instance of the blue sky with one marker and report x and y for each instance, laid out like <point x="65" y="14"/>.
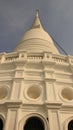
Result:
<point x="16" y="16"/>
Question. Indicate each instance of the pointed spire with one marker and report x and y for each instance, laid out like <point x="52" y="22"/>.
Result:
<point x="37" y="23"/>
<point x="37" y="13"/>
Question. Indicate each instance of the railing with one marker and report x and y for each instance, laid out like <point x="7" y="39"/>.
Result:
<point x="34" y="57"/>
<point x="13" y="57"/>
<point x="59" y="59"/>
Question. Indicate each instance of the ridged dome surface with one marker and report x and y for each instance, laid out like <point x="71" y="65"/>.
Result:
<point x="36" y="39"/>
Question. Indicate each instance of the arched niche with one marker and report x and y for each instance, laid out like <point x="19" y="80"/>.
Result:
<point x="70" y="125"/>
<point x="34" y="123"/>
<point x="34" y="119"/>
<point x="1" y="124"/>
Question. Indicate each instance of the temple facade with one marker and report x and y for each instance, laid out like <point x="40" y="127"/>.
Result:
<point x="36" y="84"/>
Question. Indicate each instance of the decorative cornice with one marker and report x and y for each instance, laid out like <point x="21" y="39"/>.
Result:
<point x="53" y="105"/>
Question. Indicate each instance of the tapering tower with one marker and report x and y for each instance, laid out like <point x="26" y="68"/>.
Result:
<point x="36" y="39"/>
<point x="36" y="84"/>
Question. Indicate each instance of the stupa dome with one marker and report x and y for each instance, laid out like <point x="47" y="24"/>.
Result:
<point x="36" y="39"/>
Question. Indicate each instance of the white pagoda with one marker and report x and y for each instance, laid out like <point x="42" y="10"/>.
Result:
<point x="36" y="84"/>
